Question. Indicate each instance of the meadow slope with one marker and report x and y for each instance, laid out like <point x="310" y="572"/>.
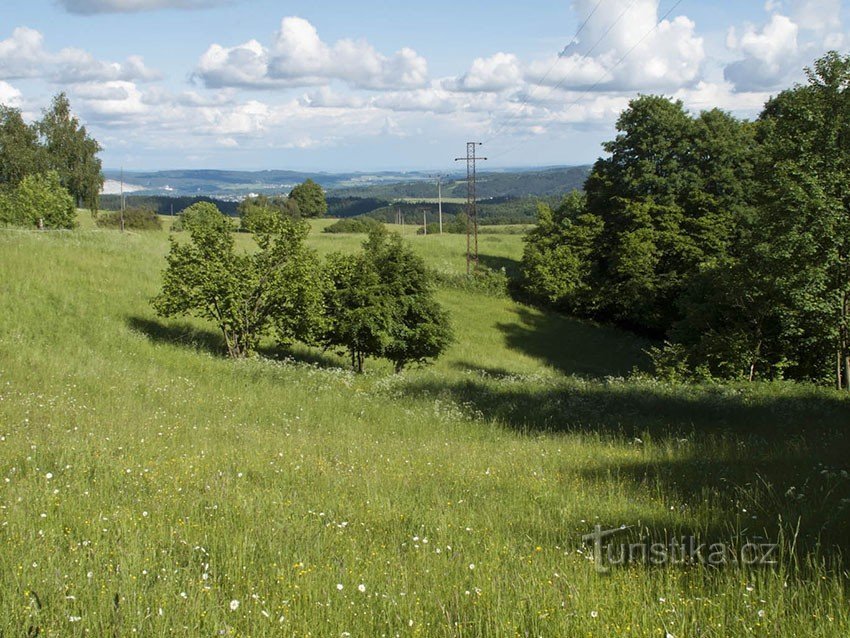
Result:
<point x="149" y="486"/>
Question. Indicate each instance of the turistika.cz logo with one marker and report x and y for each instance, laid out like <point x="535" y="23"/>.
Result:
<point x="682" y="551"/>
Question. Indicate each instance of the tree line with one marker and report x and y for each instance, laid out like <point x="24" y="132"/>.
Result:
<point x="728" y="238"/>
<point x="47" y="168"/>
<point x="375" y="303"/>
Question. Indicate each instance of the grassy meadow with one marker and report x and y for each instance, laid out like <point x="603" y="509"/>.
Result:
<point x="149" y="486"/>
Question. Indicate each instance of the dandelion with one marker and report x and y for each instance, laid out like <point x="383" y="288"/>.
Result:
<point x="361" y="588"/>
<point x="234" y="605"/>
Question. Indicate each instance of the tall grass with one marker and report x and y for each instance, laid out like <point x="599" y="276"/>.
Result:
<point x="149" y="486"/>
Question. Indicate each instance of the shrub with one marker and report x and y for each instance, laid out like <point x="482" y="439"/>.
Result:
<point x="134" y="219"/>
<point x="41" y="200"/>
<point x="353" y="225"/>
<point x="201" y="214"/>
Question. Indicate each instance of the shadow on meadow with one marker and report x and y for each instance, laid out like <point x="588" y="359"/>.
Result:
<point x="740" y="448"/>
<point x="205" y="340"/>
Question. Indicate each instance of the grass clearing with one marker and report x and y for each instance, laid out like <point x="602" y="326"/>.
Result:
<point x="147" y="483"/>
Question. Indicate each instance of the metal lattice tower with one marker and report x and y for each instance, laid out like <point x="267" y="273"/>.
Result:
<point x="471" y="204"/>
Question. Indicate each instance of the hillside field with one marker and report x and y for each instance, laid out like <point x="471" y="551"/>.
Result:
<point x="149" y="486"/>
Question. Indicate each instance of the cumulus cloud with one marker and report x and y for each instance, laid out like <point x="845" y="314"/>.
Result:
<point x="89" y="7"/>
<point x="9" y="95"/>
<point x="23" y="55"/>
<point x="298" y="57"/>
<point x="496" y="73"/>
<point x="623" y="47"/>
<point x="796" y="32"/>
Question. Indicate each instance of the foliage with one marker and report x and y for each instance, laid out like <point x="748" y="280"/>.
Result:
<point x="310" y="198"/>
<point x="200" y="214"/>
<point x="353" y="206"/>
<point x="261" y="212"/>
<point x="38" y="201"/>
<point x="166" y="205"/>
<point x="352" y="225"/>
<point x="273" y="289"/>
<point x="20" y="151"/>
<point x="380" y="304"/>
<point x="134" y="219"/>
<point x="72" y="152"/>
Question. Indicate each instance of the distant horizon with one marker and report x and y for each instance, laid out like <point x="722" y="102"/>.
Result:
<point x="460" y="169"/>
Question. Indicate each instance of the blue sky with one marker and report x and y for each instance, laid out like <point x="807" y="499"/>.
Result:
<point x="252" y="84"/>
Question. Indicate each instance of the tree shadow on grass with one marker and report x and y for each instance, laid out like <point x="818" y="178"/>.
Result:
<point x="574" y="346"/>
<point x="204" y="340"/>
<point x="182" y="334"/>
<point x="740" y="447"/>
<point x="497" y="263"/>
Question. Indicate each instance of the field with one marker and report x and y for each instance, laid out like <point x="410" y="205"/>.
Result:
<point x="149" y="486"/>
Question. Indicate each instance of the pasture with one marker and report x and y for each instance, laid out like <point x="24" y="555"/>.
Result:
<point x="149" y="486"/>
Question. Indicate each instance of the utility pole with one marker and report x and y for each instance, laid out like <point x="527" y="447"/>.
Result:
<point x="439" y="179"/>
<point x="122" y="199"/>
<point x="471" y="204"/>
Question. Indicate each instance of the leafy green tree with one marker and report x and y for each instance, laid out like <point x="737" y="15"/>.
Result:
<point x="557" y="258"/>
<point x="804" y="220"/>
<point x="257" y="213"/>
<point x="202" y="214"/>
<point x="380" y="304"/>
<point x="20" y="151"/>
<point x="40" y="201"/>
<point x="72" y="152"/>
<point x="667" y="202"/>
<point x="273" y="290"/>
<point x="310" y="198"/>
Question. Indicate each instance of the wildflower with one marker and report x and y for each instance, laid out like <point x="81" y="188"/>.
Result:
<point x="594" y="614"/>
<point x="471" y="565"/>
<point x="234" y="605"/>
<point x="339" y="586"/>
<point x="48" y="476"/>
<point x="761" y="613"/>
<point x="74" y="618"/>
<point x="361" y="588"/>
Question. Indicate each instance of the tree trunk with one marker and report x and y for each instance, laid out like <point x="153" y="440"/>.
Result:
<point x="845" y="346"/>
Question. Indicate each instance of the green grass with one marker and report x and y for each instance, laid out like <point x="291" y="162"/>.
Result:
<point x="146" y="481"/>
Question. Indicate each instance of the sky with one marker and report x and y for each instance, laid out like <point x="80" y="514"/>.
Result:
<point x="366" y="86"/>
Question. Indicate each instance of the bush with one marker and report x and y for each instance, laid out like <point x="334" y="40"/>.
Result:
<point x="202" y="214"/>
<point x="353" y="225"/>
<point x="39" y="200"/>
<point x="134" y="219"/>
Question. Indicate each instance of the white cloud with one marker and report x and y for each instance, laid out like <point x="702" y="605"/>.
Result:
<point x="298" y="57"/>
<point x="88" y="7"/>
<point x="766" y="54"/>
<point x="23" y="55"/>
<point x="498" y="72"/>
<point x="9" y="95"/>
<point x="622" y="47"/>
<point x="797" y="32"/>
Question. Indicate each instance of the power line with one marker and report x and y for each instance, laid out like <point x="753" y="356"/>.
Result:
<point x="604" y="75"/>
<point x="512" y="118"/>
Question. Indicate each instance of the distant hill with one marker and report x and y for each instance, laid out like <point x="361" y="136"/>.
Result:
<point x="387" y="185"/>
